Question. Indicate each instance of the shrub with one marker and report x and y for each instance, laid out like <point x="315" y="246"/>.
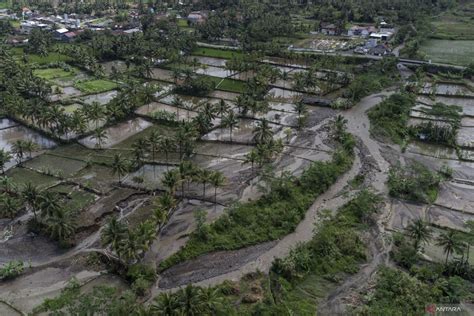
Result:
<point x="141" y="271"/>
<point x="11" y="270"/>
<point x="390" y="118"/>
<point x="414" y="182"/>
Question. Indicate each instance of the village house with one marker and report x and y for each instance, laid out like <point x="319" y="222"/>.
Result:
<point x="329" y="29"/>
<point x="27" y="26"/>
<point x="380" y="50"/>
<point x="197" y="17"/>
<point x="60" y="34"/>
<point x="361" y="31"/>
<point x="381" y="36"/>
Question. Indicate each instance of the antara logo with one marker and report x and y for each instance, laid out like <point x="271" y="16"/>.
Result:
<point x="432" y="309"/>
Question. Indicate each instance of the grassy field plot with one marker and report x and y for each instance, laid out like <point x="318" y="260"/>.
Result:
<point x="230" y="85"/>
<point x="455" y="24"/>
<point x="96" y="86"/>
<point x="75" y="199"/>
<point x="56" y="165"/>
<point x="447" y="51"/>
<point x="52" y="73"/>
<point x="22" y="176"/>
<point x="217" y="53"/>
<point x="36" y="59"/>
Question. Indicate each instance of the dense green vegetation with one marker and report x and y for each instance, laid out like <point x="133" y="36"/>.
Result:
<point x="217" y="53"/>
<point x="11" y="270"/>
<point x="95" y="86"/>
<point x="414" y="182"/>
<point x="389" y="119"/>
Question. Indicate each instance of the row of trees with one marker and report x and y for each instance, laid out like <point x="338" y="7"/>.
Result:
<point x="451" y="241"/>
<point x="49" y="213"/>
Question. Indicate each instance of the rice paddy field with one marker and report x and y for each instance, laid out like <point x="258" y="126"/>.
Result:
<point x="457" y="52"/>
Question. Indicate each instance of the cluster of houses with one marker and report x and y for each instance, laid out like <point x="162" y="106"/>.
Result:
<point x="376" y="37"/>
<point x="66" y="28"/>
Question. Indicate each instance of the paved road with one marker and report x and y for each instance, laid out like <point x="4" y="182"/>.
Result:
<point x="405" y="61"/>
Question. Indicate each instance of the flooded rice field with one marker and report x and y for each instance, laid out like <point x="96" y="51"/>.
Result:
<point x="71" y="80"/>
<point x="12" y="132"/>
<point x="214" y="72"/>
<point x="278" y="93"/>
<point x="117" y="133"/>
<point x="164" y="89"/>
<point x="243" y="133"/>
<point x="210" y="61"/>
<point x="446" y="89"/>
<point x="152" y="176"/>
<point x="431" y="150"/>
<point x="155" y="108"/>
<point x="466" y="104"/>
<point x="465" y="137"/>
<point x="7" y="123"/>
<point x="65" y="93"/>
<point x="118" y="65"/>
<point x="101" y="98"/>
<point x="219" y="94"/>
<point x="162" y="74"/>
<point x="70" y="109"/>
<point x="188" y="102"/>
<point x="175" y="234"/>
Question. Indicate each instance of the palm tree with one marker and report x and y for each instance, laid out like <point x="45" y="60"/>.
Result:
<point x="154" y="141"/>
<point x="450" y="242"/>
<point x="167" y="202"/>
<point x="78" y="122"/>
<point x="189" y="300"/>
<point x="30" y="147"/>
<point x="60" y="225"/>
<point x="222" y="108"/>
<point x="167" y="145"/>
<point x="130" y="247"/>
<point x="18" y="149"/>
<point x="177" y="103"/>
<point x="165" y="304"/>
<point x="31" y="196"/>
<point x="211" y="300"/>
<point x="49" y="203"/>
<point x="95" y="112"/>
<point x="160" y="216"/>
<point x="113" y="233"/>
<point x="5" y="157"/>
<point x="301" y="109"/>
<point x="10" y="206"/>
<point x="170" y="180"/>
<point x="176" y="75"/>
<point x="204" y="176"/>
<point x="419" y="231"/>
<point x="217" y="179"/>
<point x="209" y="111"/>
<point x="186" y="138"/>
<point x="230" y="121"/>
<point x="251" y="157"/>
<point x="262" y="133"/>
<point x="186" y="171"/>
<point x="145" y="233"/>
<point x="7" y="184"/>
<point x="100" y="135"/>
<point x="138" y="152"/>
<point x="339" y="126"/>
<point x="119" y="166"/>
